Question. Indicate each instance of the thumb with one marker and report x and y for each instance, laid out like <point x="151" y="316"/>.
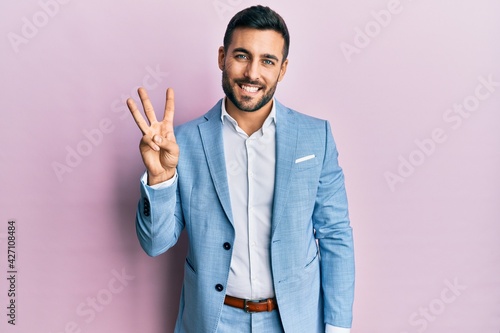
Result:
<point x="157" y="139"/>
<point x="165" y="144"/>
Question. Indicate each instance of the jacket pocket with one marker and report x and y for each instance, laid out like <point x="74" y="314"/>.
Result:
<point x="312" y="261"/>
<point x="307" y="163"/>
<point x="190" y="266"/>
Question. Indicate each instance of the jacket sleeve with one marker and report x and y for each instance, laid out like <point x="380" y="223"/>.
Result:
<point x="334" y="234"/>
<point x="159" y="219"/>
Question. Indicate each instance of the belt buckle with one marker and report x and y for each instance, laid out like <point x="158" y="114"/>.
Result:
<point x="245" y="306"/>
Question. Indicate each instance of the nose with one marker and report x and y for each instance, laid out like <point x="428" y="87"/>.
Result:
<point x="252" y="70"/>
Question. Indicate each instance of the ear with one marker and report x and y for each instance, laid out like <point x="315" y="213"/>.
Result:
<point x="284" y="66"/>
<point x="221" y="57"/>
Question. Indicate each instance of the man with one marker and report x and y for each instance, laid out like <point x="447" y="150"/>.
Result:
<point x="258" y="188"/>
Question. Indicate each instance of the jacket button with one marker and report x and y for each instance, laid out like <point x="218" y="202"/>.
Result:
<point x="219" y="287"/>
<point x="227" y="246"/>
<point x="146" y="207"/>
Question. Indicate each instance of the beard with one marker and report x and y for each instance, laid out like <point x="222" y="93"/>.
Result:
<point x="246" y="103"/>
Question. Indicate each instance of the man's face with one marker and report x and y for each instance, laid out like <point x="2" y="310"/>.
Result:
<point x="252" y="67"/>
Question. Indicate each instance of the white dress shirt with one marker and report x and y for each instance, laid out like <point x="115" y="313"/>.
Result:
<point x="250" y="166"/>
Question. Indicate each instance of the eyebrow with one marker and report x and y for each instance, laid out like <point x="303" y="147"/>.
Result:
<point x="266" y="55"/>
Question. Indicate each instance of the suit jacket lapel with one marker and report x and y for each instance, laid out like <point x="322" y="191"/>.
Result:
<point x="213" y="145"/>
<point x="286" y="144"/>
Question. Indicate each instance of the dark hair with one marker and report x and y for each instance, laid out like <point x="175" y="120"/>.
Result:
<point x="261" y="18"/>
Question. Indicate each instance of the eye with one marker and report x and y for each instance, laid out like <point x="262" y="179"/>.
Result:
<point x="241" y="56"/>
<point x="268" y="62"/>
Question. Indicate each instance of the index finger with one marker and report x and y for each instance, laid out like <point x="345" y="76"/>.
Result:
<point x="168" y="116"/>
<point x="139" y="119"/>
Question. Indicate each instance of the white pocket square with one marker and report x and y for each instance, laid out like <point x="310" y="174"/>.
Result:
<point x="305" y="158"/>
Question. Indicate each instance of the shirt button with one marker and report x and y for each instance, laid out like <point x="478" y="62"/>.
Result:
<point x="219" y="287"/>
<point x="227" y="246"/>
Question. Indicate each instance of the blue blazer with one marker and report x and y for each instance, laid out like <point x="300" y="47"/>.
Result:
<point x="311" y="247"/>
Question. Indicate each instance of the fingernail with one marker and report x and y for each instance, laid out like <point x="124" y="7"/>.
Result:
<point x="157" y="139"/>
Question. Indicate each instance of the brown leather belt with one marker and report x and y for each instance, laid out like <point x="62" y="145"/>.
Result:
<point x="250" y="306"/>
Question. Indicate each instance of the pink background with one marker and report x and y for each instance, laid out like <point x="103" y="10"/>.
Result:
<point x="427" y="242"/>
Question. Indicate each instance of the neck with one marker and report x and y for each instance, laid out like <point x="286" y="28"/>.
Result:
<point x="249" y="122"/>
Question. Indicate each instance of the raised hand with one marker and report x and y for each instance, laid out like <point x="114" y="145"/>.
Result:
<point x="159" y="150"/>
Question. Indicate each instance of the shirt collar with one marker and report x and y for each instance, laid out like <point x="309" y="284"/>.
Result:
<point x="270" y="118"/>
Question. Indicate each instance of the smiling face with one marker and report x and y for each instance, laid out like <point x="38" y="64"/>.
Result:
<point x="251" y="68"/>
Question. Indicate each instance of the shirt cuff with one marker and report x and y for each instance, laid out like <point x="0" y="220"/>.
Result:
<point x="159" y="186"/>
<point x="335" y="329"/>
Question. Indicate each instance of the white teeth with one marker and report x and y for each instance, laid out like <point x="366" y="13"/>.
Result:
<point x="250" y="89"/>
